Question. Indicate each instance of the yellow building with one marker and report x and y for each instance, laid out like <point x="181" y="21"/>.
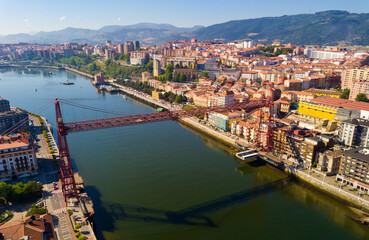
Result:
<point x="317" y="111"/>
<point x="156" y="95"/>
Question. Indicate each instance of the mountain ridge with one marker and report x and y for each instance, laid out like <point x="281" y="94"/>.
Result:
<point x="326" y="27"/>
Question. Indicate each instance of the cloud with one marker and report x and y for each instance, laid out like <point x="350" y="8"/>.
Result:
<point x="26" y="20"/>
<point x="62" y="18"/>
<point x="119" y="19"/>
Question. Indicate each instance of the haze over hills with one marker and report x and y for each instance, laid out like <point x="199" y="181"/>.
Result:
<point x="329" y="27"/>
<point x="148" y="33"/>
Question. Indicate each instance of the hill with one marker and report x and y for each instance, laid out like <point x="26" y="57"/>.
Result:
<point x="329" y="27"/>
<point x="147" y="33"/>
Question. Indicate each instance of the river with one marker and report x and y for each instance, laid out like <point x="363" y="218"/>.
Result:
<point x="165" y="181"/>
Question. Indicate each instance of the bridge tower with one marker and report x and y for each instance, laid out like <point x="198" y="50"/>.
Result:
<point x="67" y="177"/>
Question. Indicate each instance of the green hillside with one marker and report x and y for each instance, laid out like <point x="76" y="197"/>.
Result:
<point x="329" y="27"/>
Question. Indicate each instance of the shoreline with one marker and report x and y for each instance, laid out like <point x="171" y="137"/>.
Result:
<point x="361" y="210"/>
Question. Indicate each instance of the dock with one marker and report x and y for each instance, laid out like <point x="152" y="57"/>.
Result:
<point x="247" y="155"/>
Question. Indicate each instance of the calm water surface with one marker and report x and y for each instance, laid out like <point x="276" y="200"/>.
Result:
<point x="164" y="181"/>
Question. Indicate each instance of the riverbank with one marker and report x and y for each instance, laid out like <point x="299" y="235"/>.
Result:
<point x="83" y="74"/>
<point x="31" y="66"/>
<point x="321" y="186"/>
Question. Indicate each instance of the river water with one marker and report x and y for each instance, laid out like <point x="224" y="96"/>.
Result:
<point x="165" y="181"/>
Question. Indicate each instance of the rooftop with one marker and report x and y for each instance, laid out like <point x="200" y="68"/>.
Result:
<point x="358" y="153"/>
<point x="339" y="102"/>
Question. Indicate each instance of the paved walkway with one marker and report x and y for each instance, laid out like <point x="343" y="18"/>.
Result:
<point x="48" y="174"/>
<point x="58" y="208"/>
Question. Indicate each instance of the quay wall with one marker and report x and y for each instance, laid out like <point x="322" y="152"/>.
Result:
<point x="338" y="193"/>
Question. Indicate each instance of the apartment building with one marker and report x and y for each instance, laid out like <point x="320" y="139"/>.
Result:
<point x="354" y="168"/>
<point x="128" y="47"/>
<point x="354" y="132"/>
<point x="351" y="75"/>
<point x="17" y="156"/>
<point x="224" y="120"/>
<point x="11" y="117"/>
<point x="309" y="149"/>
<point x="359" y="87"/>
<point x="225" y="98"/>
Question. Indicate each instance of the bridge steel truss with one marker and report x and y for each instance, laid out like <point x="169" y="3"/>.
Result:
<point x="67" y="176"/>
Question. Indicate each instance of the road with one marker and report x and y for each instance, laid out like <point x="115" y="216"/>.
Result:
<point x="48" y="174"/>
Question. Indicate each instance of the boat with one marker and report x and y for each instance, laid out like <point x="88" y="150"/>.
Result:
<point x="248" y="155"/>
<point x="68" y="83"/>
<point x="36" y="90"/>
<point x="124" y="97"/>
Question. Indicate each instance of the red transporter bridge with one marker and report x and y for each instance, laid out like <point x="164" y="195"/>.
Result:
<point x="67" y="176"/>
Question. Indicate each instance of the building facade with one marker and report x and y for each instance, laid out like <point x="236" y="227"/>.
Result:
<point x="17" y="156"/>
<point x="354" y="132"/>
<point x="354" y="168"/>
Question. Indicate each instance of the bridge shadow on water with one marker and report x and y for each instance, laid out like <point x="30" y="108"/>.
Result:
<point x="194" y="215"/>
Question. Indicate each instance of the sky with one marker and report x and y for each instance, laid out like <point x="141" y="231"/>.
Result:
<point x="30" y="16"/>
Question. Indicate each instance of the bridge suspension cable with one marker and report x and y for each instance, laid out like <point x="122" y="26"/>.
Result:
<point x="19" y="124"/>
<point x="95" y="109"/>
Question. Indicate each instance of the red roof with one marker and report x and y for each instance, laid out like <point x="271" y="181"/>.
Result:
<point x="339" y="102"/>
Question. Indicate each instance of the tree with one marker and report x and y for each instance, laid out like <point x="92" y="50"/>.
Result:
<point x="36" y="210"/>
<point x="361" y="97"/>
<point x="177" y="66"/>
<point x="168" y="76"/>
<point x="178" y="99"/>
<point x="205" y="74"/>
<point x="169" y="68"/>
<point x="176" y="77"/>
<point x="127" y="57"/>
<point x="73" y="62"/>
<point x="182" y="78"/>
<point x="108" y="62"/>
<point x="345" y="94"/>
<point x="92" y="67"/>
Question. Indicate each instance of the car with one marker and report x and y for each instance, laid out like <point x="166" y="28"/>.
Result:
<point x="55" y="187"/>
